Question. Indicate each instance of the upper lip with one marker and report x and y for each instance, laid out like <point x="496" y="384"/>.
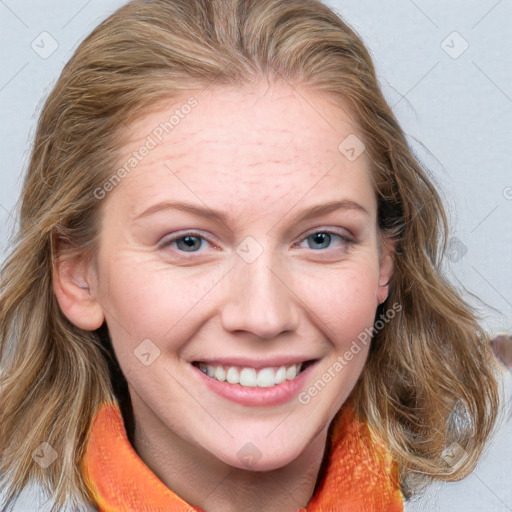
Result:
<point x="256" y="363"/>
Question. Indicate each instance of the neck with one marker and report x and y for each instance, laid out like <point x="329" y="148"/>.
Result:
<point x="206" y="482"/>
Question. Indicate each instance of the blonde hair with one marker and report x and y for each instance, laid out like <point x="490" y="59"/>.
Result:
<point x="429" y="380"/>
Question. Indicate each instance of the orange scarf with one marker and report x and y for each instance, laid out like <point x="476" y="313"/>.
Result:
<point x="361" y="475"/>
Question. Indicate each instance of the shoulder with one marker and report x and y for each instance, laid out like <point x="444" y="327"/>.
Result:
<point x="34" y="498"/>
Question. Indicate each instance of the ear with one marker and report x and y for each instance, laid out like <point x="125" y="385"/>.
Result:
<point x="72" y="279"/>
<point x="386" y="264"/>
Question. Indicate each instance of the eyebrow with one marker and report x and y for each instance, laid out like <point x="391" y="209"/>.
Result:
<point x="204" y="211"/>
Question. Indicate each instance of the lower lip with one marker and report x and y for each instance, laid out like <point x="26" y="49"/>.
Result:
<point x="256" y="396"/>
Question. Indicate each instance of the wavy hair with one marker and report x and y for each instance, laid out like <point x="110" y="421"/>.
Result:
<point x="429" y="380"/>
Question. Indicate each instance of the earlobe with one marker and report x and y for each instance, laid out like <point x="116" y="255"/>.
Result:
<point x="71" y="286"/>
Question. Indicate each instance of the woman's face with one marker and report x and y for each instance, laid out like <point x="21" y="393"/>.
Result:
<point x="245" y="239"/>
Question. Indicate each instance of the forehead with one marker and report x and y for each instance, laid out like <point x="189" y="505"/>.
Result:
<point x="255" y="142"/>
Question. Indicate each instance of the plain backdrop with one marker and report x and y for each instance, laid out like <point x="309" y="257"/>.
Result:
<point x="446" y="70"/>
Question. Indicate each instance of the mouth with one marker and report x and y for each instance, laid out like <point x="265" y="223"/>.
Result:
<point x="250" y="377"/>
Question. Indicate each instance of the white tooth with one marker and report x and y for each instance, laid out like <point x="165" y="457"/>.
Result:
<point x="232" y="376"/>
<point x="291" y="372"/>
<point x="220" y="373"/>
<point x="280" y="375"/>
<point x="266" y="378"/>
<point x="248" y="377"/>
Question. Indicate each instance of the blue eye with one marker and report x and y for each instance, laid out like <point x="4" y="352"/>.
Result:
<point x="189" y="242"/>
<point x="323" y="239"/>
<point x="320" y="238"/>
<point x="192" y="242"/>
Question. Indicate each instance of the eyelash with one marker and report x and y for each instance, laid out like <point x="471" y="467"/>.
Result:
<point x="347" y="241"/>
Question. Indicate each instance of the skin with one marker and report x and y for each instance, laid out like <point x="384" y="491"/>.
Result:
<point x="261" y="156"/>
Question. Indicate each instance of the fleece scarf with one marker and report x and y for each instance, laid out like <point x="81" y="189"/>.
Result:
<point x="360" y="476"/>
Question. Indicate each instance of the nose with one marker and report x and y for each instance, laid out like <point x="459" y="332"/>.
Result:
<point x="259" y="299"/>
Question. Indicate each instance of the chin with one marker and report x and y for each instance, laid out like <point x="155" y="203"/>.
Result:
<point x="262" y="456"/>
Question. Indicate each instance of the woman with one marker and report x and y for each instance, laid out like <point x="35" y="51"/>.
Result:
<point x="226" y="290"/>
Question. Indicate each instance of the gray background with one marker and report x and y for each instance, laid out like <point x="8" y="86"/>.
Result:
<point x="446" y="70"/>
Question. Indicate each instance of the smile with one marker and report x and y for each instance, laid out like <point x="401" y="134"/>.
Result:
<point x="252" y="377"/>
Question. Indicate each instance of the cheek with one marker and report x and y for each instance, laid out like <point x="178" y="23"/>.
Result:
<point x="344" y="303"/>
<point x="145" y="300"/>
